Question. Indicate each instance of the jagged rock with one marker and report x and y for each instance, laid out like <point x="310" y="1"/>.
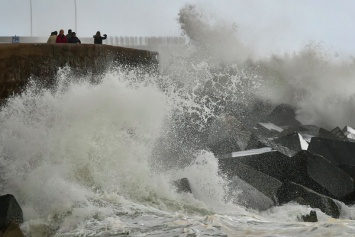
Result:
<point x="282" y="115"/>
<point x="250" y="114"/>
<point x="265" y="160"/>
<point x="310" y="170"/>
<point x="11" y="230"/>
<point x="328" y="135"/>
<point x="339" y="133"/>
<point x="10" y="211"/>
<point x="349" y="169"/>
<point x="242" y="193"/>
<point x="290" y="191"/>
<point x="227" y="135"/>
<point x="260" y="181"/>
<point x="324" y="176"/>
<point x="294" y="142"/>
<point x="257" y="142"/>
<point x="182" y="185"/>
<point x="267" y="130"/>
<point x="311" y="217"/>
<point x="340" y="153"/>
<point x="304" y="130"/>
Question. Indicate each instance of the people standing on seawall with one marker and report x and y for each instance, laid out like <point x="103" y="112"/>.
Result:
<point x="73" y="39"/>
<point x="52" y="38"/>
<point x="61" y="38"/>
<point x="68" y="35"/>
<point x="98" y="38"/>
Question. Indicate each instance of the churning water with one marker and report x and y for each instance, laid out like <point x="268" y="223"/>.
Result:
<point x="99" y="159"/>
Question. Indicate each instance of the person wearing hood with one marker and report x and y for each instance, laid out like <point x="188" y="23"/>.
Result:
<point x="73" y="39"/>
<point x="69" y="35"/>
<point x="52" y="38"/>
<point x="61" y="38"/>
<point x="98" y="38"/>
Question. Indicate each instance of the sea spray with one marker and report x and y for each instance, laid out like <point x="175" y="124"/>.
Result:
<point x="96" y="156"/>
<point x="59" y="147"/>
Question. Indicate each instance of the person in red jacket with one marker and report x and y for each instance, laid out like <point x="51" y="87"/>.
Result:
<point x="61" y="38"/>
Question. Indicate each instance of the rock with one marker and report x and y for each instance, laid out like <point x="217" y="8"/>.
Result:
<point x="11" y="230"/>
<point x="265" y="184"/>
<point x="10" y="211"/>
<point x="322" y="176"/>
<point x="227" y="135"/>
<point x="339" y="152"/>
<point x="290" y="191"/>
<point x="242" y="193"/>
<point x="339" y="133"/>
<point x="294" y="142"/>
<point x="305" y="168"/>
<point x="328" y="135"/>
<point x="311" y="217"/>
<point x="266" y="160"/>
<point x="260" y="142"/>
<point x="182" y="185"/>
<point x="349" y="169"/>
<point x="282" y="115"/>
<point x="268" y="130"/>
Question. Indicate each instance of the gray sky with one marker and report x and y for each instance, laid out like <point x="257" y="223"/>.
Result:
<point x="269" y="25"/>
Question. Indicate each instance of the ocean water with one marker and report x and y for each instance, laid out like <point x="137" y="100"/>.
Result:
<point x="99" y="158"/>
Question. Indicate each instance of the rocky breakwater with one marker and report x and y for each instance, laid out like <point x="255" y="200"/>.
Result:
<point x="277" y="160"/>
<point x="19" y="62"/>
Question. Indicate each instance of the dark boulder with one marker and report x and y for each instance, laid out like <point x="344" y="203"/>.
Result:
<point x="257" y="142"/>
<point x="227" y="135"/>
<point x="322" y="176"/>
<point x="282" y="115"/>
<point x="267" y="130"/>
<point x="264" y="183"/>
<point x="294" y="142"/>
<point x="11" y="230"/>
<point x="329" y="135"/>
<point x="311" y="217"/>
<point x="290" y="191"/>
<point x="305" y="168"/>
<point x="182" y="185"/>
<point x="10" y="211"/>
<point x="339" y="152"/>
<point x="339" y="133"/>
<point x="244" y="194"/>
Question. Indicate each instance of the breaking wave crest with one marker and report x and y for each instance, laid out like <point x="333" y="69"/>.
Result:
<point x="82" y="156"/>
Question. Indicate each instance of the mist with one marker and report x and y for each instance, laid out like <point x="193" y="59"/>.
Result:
<point x="317" y="81"/>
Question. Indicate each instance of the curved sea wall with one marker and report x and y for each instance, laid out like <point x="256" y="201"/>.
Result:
<point x="18" y="62"/>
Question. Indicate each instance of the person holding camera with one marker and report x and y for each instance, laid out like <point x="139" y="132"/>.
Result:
<point x="98" y="38"/>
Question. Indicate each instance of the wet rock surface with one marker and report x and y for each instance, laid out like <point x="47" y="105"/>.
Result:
<point x="10" y="211"/>
<point x="286" y="161"/>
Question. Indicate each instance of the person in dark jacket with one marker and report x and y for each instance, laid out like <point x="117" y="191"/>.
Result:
<point x="69" y="35"/>
<point x="61" y="38"/>
<point x="73" y="39"/>
<point x="98" y="38"/>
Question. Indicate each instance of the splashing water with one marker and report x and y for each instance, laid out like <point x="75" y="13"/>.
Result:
<point x="99" y="159"/>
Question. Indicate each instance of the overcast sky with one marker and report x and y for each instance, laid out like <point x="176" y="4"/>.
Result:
<point x="276" y="25"/>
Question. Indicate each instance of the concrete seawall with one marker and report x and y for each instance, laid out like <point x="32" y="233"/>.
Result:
<point x="18" y="62"/>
